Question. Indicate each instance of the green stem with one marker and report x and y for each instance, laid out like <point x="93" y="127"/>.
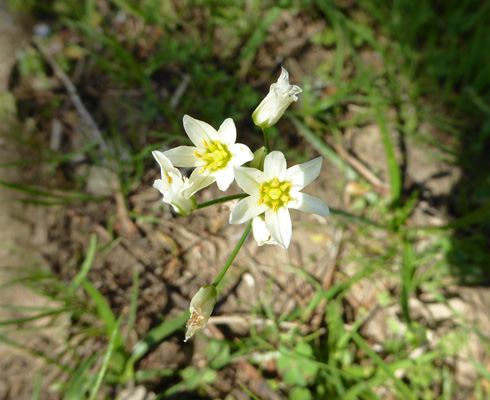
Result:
<point x="222" y="200"/>
<point x="233" y="255"/>
<point x="266" y="140"/>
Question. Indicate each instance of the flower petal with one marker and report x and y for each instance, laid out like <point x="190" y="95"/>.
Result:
<point x="184" y="156"/>
<point x="199" y="130"/>
<point x="241" y="154"/>
<point x="165" y="164"/>
<point x="227" y="132"/>
<point x="303" y="174"/>
<point x="275" y="166"/>
<point x="224" y="177"/>
<point x="246" y="209"/>
<point x="162" y="186"/>
<point x="197" y="181"/>
<point x="261" y="234"/>
<point x="309" y="204"/>
<point x="279" y="225"/>
<point x="249" y="179"/>
<point x="181" y="205"/>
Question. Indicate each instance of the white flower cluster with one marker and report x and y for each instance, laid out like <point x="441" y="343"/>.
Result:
<point x="272" y="189"/>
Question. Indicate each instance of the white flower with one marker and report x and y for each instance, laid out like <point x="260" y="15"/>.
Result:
<point x="281" y="95"/>
<point x="172" y="186"/>
<point x="273" y="191"/>
<point x="214" y="154"/>
<point x="201" y="308"/>
<point x="261" y="233"/>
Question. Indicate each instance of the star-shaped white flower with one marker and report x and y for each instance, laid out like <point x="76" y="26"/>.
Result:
<point x="281" y="95"/>
<point x="172" y="186"/>
<point x="214" y="153"/>
<point x="275" y="190"/>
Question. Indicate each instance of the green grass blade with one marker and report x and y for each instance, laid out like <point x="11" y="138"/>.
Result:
<point x="34" y="317"/>
<point x="408" y="268"/>
<point x="35" y="353"/>
<point x="147" y="374"/>
<point x="36" y="389"/>
<point x="393" y="167"/>
<point x="29" y="190"/>
<point x="133" y="306"/>
<point x="156" y="335"/>
<point x="323" y="148"/>
<point x="62" y="197"/>
<point x="57" y="159"/>
<point x="80" y="380"/>
<point x="87" y="263"/>
<point x="114" y="337"/>
<point x="249" y="392"/>
<point x="258" y="36"/>
<point x="104" y="311"/>
<point x="382" y="365"/>
<point x="481" y="369"/>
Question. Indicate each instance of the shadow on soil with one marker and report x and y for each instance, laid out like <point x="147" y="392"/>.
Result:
<point x="453" y="38"/>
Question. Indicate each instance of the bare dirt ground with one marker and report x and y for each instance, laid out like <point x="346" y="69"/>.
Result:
<point x="17" y="235"/>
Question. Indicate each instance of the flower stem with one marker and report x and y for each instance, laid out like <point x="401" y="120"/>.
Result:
<point x="266" y="140"/>
<point x="222" y="200"/>
<point x="233" y="255"/>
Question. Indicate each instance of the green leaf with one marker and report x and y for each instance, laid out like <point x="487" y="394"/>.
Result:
<point x="299" y="393"/>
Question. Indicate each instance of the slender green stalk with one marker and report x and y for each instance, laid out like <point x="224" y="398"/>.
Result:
<point x="233" y="255"/>
<point x="266" y="140"/>
<point x="222" y="200"/>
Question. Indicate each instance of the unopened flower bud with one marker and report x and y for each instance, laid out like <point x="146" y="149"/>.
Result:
<point x="281" y="95"/>
<point x="201" y="308"/>
<point x="259" y="157"/>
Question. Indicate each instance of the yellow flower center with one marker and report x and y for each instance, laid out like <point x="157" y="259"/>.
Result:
<point x="275" y="194"/>
<point x="216" y="156"/>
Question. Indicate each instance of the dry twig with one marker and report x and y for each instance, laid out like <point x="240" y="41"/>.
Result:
<point x="361" y="168"/>
<point x="93" y="133"/>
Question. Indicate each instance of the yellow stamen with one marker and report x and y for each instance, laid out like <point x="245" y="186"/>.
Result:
<point x="197" y="154"/>
<point x="275" y="194"/>
<point x="169" y="179"/>
<point x="261" y="201"/>
<point x="204" y="142"/>
<point x="203" y="169"/>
